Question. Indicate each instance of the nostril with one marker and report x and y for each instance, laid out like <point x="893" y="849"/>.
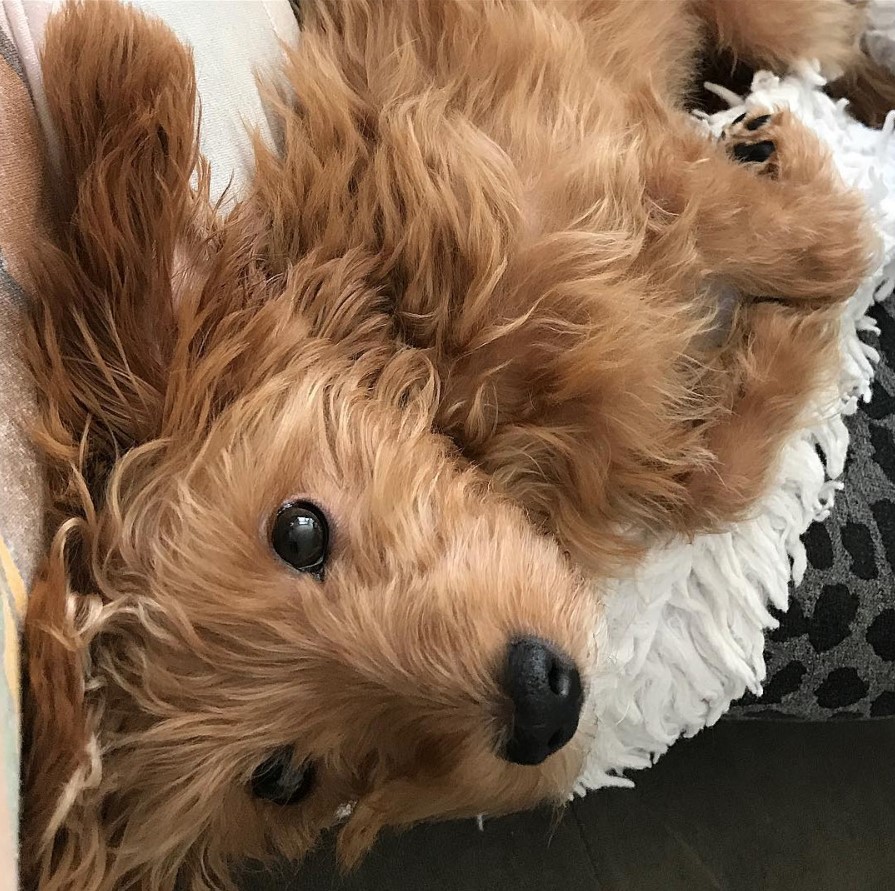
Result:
<point x="559" y="678"/>
<point x="545" y="688"/>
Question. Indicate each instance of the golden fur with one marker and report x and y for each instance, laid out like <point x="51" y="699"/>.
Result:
<point x="552" y="232"/>
<point x="493" y="284"/>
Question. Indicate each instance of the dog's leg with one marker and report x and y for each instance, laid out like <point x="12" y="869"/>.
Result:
<point x="781" y="359"/>
<point x="777" y="33"/>
<point x="772" y="220"/>
<point x="770" y="215"/>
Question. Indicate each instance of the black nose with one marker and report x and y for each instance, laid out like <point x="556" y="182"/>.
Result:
<point x="545" y="688"/>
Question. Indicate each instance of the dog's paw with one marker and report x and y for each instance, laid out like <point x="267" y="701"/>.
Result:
<point x="754" y="140"/>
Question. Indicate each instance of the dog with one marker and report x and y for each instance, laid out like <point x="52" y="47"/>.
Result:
<point x="335" y="473"/>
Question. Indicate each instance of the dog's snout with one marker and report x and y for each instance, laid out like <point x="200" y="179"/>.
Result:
<point x="545" y="688"/>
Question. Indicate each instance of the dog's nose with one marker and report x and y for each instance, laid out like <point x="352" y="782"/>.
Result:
<point x="545" y="688"/>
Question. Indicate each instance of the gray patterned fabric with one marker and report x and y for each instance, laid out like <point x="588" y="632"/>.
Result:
<point x="833" y="655"/>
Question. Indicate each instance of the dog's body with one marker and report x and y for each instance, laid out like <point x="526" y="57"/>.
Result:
<point x="488" y="220"/>
<point x="553" y="231"/>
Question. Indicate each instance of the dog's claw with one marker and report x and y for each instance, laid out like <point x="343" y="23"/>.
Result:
<point x="754" y="153"/>
<point x="746" y="146"/>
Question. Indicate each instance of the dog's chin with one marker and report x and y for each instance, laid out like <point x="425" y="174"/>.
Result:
<point x="481" y="784"/>
<point x="310" y="796"/>
<point x="403" y="802"/>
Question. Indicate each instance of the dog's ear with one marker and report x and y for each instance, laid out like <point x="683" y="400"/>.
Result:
<point x="121" y="92"/>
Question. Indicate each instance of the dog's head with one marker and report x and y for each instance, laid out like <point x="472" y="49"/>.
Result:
<point x="272" y="590"/>
<point x="304" y="604"/>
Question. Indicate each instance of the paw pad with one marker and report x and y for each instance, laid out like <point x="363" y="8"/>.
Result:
<point x="745" y="143"/>
<point x="753" y="152"/>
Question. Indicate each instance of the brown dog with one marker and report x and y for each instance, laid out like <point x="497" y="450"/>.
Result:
<point x="273" y="588"/>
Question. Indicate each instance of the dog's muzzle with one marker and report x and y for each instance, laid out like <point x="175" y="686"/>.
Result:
<point x="545" y="688"/>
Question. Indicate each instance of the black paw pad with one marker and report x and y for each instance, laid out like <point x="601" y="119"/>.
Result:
<point x="754" y="153"/>
<point x="760" y="121"/>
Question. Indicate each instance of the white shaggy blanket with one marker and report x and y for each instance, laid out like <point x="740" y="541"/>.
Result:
<point x="685" y="637"/>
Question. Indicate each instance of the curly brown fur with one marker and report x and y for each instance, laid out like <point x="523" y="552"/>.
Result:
<point x="554" y="234"/>
<point x="490" y="218"/>
<point x="869" y="89"/>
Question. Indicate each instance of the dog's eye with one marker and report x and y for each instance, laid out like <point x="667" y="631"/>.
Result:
<point x="279" y="781"/>
<point x="300" y="536"/>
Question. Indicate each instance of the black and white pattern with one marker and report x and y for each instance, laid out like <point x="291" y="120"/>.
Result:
<point x="833" y="655"/>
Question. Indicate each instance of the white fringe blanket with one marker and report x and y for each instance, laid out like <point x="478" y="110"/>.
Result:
<point x="685" y="637"/>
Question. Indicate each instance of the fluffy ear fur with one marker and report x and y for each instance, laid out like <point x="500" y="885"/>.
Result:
<point x="105" y="317"/>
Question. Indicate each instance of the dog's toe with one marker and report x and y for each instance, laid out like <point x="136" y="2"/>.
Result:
<point x="753" y="152"/>
<point x="755" y="123"/>
<point x="748" y="142"/>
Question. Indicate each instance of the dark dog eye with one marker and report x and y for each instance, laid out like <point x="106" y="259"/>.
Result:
<point x="300" y="536"/>
<point x="280" y="781"/>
